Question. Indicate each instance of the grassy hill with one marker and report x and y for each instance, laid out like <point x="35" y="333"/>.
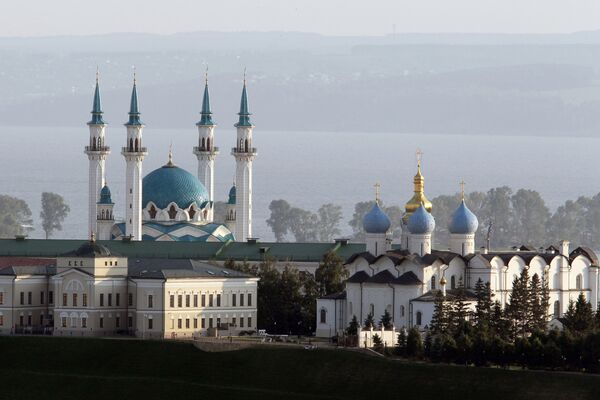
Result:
<point x="62" y="368"/>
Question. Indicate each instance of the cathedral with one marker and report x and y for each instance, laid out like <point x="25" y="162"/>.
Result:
<point x="170" y="203"/>
<point x="404" y="278"/>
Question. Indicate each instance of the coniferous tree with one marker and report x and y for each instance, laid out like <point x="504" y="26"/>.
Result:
<point x="414" y="343"/>
<point x="518" y="309"/>
<point x="386" y="320"/>
<point x="459" y="311"/>
<point x="439" y="320"/>
<point x="538" y="308"/>
<point x="580" y="318"/>
<point x="369" y="321"/>
<point x="401" y="345"/>
<point x="352" y="326"/>
<point x="483" y="309"/>
<point x="377" y="343"/>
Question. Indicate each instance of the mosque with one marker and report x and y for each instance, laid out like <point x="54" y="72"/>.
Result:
<point x="404" y="278"/>
<point x="170" y="203"/>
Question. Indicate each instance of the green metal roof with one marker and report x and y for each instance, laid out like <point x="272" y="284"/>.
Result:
<point x="251" y="251"/>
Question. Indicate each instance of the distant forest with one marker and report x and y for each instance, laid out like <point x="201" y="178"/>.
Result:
<point x="517" y="218"/>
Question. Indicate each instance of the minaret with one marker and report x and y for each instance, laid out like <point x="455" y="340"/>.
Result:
<point x="134" y="154"/>
<point x="230" y="210"/>
<point x="97" y="153"/>
<point x="244" y="155"/>
<point x="206" y="150"/>
<point x="104" y="215"/>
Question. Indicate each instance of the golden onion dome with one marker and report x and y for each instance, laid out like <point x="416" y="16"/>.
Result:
<point x="443" y="281"/>
<point x="418" y="198"/>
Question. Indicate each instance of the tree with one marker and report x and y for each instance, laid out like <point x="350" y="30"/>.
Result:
<point x="356" y="223"/>
<point x="386" y="320"/>
<point x="401" y="345"/>
<point x="538" y="298"/>
<point x="580" y="317"/>
<point x="519" y="307"/>
<point x="414" y="343"/>
<point x="483" y="309"/>
<point x="330" y="216"/>
<point x="439" y="319"/>
<point x="377" y="343"/>
<point x="279" y="221"/>
<point x="15" y="217"/>
<point x="331" y="274"/>
<point x="369" y="321"/>
<point x="458" y="312"/>
<point x="304" y="225"/>
<point x="54" y="212"/>
<point x="353" y="326"/>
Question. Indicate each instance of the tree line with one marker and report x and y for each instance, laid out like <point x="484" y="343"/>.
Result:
<point x="16" y="218"/>
<point x="511" y="218"/>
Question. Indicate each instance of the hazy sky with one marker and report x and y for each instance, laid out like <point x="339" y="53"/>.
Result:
<point x="332" y="17"/>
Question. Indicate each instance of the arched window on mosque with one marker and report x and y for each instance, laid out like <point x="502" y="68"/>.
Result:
<point x="208" y="144"/>
<point x="433" y="282"/>
<point x="102" y="217"/>
<point x="556" y="309"/>
<point x="192" y="212"/>
<point x="241" y="144"/>
<point x="246" y="145"/>
<point x="323" y="316"/>
<point x="419" y="318"/>
<point x="94" y="143"/>
<point x="205" y="214"/>
<point x="136" y="144"/>
<point x="452" y="282"/>
<point x="172" y="212"/>
<point x="402" y="311"/>
<point x="202" y="145"/>
<point x="130" y="144"/>
<point x="152" y="212"/>
<point x="579" y="282"/>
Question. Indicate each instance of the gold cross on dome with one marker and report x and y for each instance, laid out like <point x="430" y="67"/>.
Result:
<point x="377" y="192"/>
<point x="419" y="155"/>
<point x="462" y="190"/>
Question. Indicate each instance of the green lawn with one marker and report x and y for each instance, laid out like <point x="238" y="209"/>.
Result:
<point x="45" y="368"/>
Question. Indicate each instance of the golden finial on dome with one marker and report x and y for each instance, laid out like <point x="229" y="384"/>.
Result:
<point x="443" y="281"/>
<point x="462" y="189"/>
<point x="170" y="162"/>
<point x="419" y="191"/>
<point x="377" y="192"/>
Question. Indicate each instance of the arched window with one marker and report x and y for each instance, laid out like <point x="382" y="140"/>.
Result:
<point x="202" y="145"/>
<point x="172" y="212"/>
<point x="579" y="282"/>
<point x="556" y="309"/>
<point x="241" y="144"/>
<point x="94" y="144"/>
<point x="452" y="282"/>
<point x="136" y="144"/>
<point x="246" y="146"/>
<point x="433" y="282"/>
<point x="419" y="317"/>
<point x="323" y="317"/>
<point x="402" y="311"/>
<point x="192" y="212"/>
<point x="208" y="144"/>
<point x="130" y="144"/>
<point x="102" y="214"/>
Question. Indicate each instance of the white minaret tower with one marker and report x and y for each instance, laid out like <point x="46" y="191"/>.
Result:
<point x="206" y="150"/>
<point x="244" y="155"/>
<point x="104" y="215"/>
<point x="96" y="152"/>
<point x="134" y="154"/>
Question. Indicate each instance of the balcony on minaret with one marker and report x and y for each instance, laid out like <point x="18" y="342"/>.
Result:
<point x="96" y="148"/>
<point x="244" y="150"/>
<point x="205" y="149"/>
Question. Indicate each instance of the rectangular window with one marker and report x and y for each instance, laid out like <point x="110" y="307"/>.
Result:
<point x="241" y="322"/>
<point x="50" y="297"/>
<point x="41" y="319"/>
<point x="84" y="299"/>
<point x="210" y="323"/>
<point x="218" y="300"/>
<point x="130" y="299"/>
<point x="249" y="322"/>
<point x="195" y="300"/>
<point x="29" y="320"/>
<point x="150" y="323"/>
<point x="101" y="322"/>
<point x="187" y="300"/>
<point x="233" y="300"/>
<point x="249" y="299"/>
<point x="241" y="299"/>
<point x="118" y="322"/>
<point x="22" y="298"/>
<point x="118" y="299"/>
<point x="101" y="299"/>
<point x="41" y="297"/>
<point x="64" y="299"/>
<point x="21" y="320"/>
<point x="179" y="322"/>
<point x="150" y="301"/>
<point x="63" y="322"/>
<point x="233" y="321"/>
<point x="1" y="297"/>
<point x="218" y="322"/>
<point x="130" y="322"/>
<point x="110" y="299"/>
<point x="187" y="323"/>
<point x="179" y="301"/>
<point x="172" y="301"/>
<point x="202" y="323"/>
<point x="203" y="300"/>
<point x="1" y="320"/>
<point x="29" y="297"/>
<point x="195" y="323"/>
<point x="74" y="299"/>
<point x="210" y="300"/>
<point x="83" y="322"/>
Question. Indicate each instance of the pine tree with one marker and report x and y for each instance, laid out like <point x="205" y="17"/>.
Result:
<point x="352" y="326"/>
<point x="459" y="311"/>
<point x="414" y="343"/>
<point x="538" y="307"/>
<point x="580" y="318"/>
<point x="401" y="345"/>
<point x="386" y="320"/>
<point x="483" y="309"/>
<point x="519" y="310"/>
<point x="377" y="343"/>
<point x="439" y="320"/>
<point x="369" y="321"/>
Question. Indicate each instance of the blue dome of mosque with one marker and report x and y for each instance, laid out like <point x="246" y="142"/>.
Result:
<point x="421" y="222"/>
<point x="105" y="197"/>
<point x="376" y="220"/>
<point x="173" y="184"/>
<point x="463" y="221"/>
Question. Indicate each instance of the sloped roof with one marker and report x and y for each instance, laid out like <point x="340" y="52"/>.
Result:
<point x="408" y="278"/>
<point x="358" y="277"/>
<point x="384" y="276"/>
<point x="586" y="251"/>
<point x="156" y="268"/>
<point x="450" y="295"/>
<point x="91" y="249"/>
<point x="335" y="296"/>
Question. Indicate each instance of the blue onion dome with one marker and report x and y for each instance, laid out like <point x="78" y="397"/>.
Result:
<point x="173" y="184"/>
<point x="232" y="195"/>
<point x="421" y="222"/>
<point x="376" y="220"/>
<point x="105" y="197"/>
<point x="463" y="221"/>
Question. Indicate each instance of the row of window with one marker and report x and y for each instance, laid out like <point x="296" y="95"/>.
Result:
<point x="102" y="297"/>
<point x="213" y="300"/>
<point x="30" y="298"/>
<point x="83" y="322"/>
<point x="186" y="322"/>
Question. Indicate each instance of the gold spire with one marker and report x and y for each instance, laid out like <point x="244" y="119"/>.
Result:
<point x="462" y="190"/>
<point x="377" y="192"/>
<point x="419" y="192"/>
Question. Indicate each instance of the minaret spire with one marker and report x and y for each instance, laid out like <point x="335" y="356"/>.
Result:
<point x="244" y="115"/>
<point x="134" y="113"/>
<point x="97" y="106"/>
<point x="206" y="114"/>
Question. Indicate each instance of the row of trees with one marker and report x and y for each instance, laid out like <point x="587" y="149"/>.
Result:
<point x="520" y="217"/>
<point x="287" y="300"/>
<point x="15" y="215"/>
